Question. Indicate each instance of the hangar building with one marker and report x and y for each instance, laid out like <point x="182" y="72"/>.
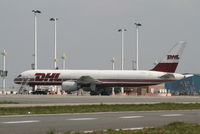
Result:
<point x="187" y="86"/>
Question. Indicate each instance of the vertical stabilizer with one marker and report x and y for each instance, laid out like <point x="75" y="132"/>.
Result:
<point x="171" y="60"/>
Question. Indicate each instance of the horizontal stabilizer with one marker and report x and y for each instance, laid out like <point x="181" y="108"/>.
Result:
<point x="187" y="75"/>
<point x="168" y="76"/>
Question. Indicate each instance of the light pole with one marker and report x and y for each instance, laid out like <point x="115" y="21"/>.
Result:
<point x="64" y="57"/>
<point x="133" y="64"/>
<point x="35" y="12"/>
<point x="113" y="68"/>
<point x="137" y="57"/>
<point x="122" y="52"/>
<point x="35" y="67"/>
<point x="113" y="63"/>
<point x="122" y="47"/>
<point x="55" y="41"/>
<point x="4" y="72"/>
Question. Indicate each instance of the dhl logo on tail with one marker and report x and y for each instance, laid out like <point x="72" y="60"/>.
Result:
<point x="173" y="57"/>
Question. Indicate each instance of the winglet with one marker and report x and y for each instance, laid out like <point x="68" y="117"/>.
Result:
<point x="171" y="60"/>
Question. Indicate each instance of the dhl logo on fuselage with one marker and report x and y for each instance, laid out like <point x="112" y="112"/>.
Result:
<point x="47" y="77"/>
<point x="172" y="57"/>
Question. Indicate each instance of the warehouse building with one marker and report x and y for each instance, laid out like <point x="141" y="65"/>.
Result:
<point x="187" y="86"/>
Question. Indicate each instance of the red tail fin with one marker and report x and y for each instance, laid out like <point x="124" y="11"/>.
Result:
<point x="171" y="60"/>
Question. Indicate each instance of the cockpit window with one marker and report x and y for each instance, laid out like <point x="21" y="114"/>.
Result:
<point x="19" y="76"/>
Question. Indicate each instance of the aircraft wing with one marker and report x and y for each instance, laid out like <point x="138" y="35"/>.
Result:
<point x="88" y="80"/>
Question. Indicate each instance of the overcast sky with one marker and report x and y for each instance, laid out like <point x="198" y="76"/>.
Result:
<point x="87" y="32"/>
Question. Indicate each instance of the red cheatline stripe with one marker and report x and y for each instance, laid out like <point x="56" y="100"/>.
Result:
<point x="107" y="82"/>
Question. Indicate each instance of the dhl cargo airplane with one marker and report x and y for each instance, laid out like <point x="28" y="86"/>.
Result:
<point x="71" y="80"/>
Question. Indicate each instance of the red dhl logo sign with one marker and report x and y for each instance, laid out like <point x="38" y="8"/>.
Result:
<point x="47" y="77"/>
<point x="172" y="57"/>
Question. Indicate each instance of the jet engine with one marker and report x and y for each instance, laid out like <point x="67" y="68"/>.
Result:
<point x="69" y="86"/>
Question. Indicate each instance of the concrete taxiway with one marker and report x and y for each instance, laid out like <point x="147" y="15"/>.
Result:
<point x="34" y="100"/>
<point x="38" y="124"/>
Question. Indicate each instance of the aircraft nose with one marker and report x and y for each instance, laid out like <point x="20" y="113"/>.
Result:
<point x="17" y="80"/>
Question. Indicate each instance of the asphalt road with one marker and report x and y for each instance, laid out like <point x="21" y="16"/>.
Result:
<point x="74" y="100"/>
<point x="40" y="124"/>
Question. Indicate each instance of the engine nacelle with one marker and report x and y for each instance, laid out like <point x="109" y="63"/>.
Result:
<point x="69" y="86"/>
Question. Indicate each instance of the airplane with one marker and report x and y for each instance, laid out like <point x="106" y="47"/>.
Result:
<point x="72" y="80"/>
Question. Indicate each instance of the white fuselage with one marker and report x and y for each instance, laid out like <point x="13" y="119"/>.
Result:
<point x="109" y="78"/>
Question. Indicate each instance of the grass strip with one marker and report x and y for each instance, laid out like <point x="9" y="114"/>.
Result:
<point x="172" y="128"/>
<point x="96" y="108"/>
<point x="8" y="102"/>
